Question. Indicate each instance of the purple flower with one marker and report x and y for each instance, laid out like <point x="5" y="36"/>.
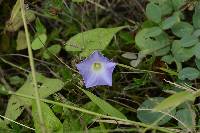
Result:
<point x="96" y="70"/>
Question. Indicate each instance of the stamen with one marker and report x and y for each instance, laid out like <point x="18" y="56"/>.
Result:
<point x="97" y="66"/>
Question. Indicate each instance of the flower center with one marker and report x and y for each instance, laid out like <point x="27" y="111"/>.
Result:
<point x="97" y="66"/>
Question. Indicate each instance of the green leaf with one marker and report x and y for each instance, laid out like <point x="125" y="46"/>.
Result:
<point x="17" y="104"/>
<point x="168" y="59"/>
<point x="174" y="100"/>
<point x="101" y="129"/>
<point x="92" y="107"/>
<point x="106" y="107"/>
<point x="4" y="128"/>
<point x="151" y="41"/>
<point x="197" y="61"/>
<point x="16" y="80"/>
<point x="39" y="42"/>
<point x="129" y="55"/>
<point x="21" y="41"/>
<point x="126" y="37"/>
<point x="177" y="4"/>
<point x="15" y="21"/>
<point x="89" y="41"/>
<point x="40" y="27"/>
<point x="170" y="21"/>
<point x="52" y="123"/>
<point x="71" y="124"/>
<point x="153" y="31"/>
<point x="54" y="49"/>
<point x="3" y="90"/>
<point x="188" y="41"/>
<point x="165" y="6"/>
<point x="188" y="73"/>
<point x="182" y="29"/>
<point x="148" y="24"/>
<point x="74" y="123"/>
<point x="149" y="116"/>
<point x="196" y="18"/>
<point x="153" y="12"/>
<point x="187" y="117"/>
<point x="179" y="52"/>
<point x="196" y="33"/>
<point x="196" y="50"/>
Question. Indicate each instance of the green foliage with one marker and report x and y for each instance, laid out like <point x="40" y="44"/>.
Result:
<point x="151" y="117"/>
<point x="40" y="37"/>
<point x="171" y="35"/>
<point x="188" y="41"/>
<point x="64" y="32"/>
<point x="174" y="100"/>
<point x="15" y="21"/>
<point x="73" y="124"/>
<point x="39" y="26"/>
<point x="197" y="61"/>
<point x="39" y="42"/>
<point x="126" y="37"/>
<point x="182" y="29"/>
<point x="17" y="104"/>
<point x="89" y="41"/>
<point x="177" y="4"/>
<point x="54" y="49"/>
<point x="129" y="55"/>
<point x="165" y="6"/>
<point x="21" y="41"/>
<point x="4" y="128"/>
<point x="16" y="80"/>
<point x="189" y="73"/>
<point x="196" y="18"/>
<point x="170" y="21"/>
<point x="152" y="41"/>
<point x="106" y="107"/>
<point x="153" y="12"/>
<point x="52" y="123"/>
<point x="187" y="118"/>
<point x="179" y="52"/>
<point x="168" y="59"/>
<point x="3" y="90"/>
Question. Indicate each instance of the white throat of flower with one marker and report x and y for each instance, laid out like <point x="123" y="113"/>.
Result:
<point x="97" y="66"/>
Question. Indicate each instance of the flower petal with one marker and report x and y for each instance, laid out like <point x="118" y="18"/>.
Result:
<point x="102" y="76"/>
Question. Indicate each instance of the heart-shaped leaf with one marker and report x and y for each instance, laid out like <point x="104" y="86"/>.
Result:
<point x="89" y="41"/>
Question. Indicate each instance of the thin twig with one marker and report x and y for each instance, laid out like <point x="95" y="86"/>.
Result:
<point x="17" y="123"/>
<point x="42" y="125"/>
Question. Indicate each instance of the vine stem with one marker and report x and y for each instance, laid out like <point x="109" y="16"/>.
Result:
<point x="135" y="69"/>
<point x="31" y="61"/>
<point x="166" y="130"/>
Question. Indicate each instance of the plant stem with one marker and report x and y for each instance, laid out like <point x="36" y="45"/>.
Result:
<point x="37" y="99"/>
<point x="96" y="114"/>
<point x="135" y="69"/>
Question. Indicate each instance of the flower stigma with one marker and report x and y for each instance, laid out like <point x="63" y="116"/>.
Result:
<point x="97" y="66"/>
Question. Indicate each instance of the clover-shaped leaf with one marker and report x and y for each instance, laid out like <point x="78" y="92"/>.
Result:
<point x="188" y="73"/>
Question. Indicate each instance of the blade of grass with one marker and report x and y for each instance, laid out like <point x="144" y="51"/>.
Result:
<point x="37" y="99"/>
